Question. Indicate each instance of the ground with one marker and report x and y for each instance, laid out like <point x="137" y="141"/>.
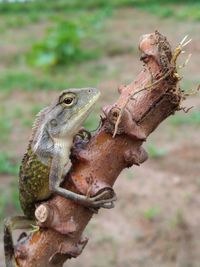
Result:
<point x="156" y="219"/>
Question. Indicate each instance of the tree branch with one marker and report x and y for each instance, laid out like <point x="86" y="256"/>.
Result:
<point x="97" y="164"/>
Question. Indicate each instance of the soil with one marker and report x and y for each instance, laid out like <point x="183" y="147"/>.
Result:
<point x="156" y="219"/>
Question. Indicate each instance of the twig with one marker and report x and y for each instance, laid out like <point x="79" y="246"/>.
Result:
<point x="137" y="92"/>
<point x="175" y="55"/>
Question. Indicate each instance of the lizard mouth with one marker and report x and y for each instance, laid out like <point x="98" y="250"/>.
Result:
<point x="90" y="104"/>
<point x="83" y="112"/>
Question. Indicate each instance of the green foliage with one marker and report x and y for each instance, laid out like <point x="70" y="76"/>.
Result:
<point x="151" y="213"/>
<point x="47" y="6"/>
<point x="74" y="76"/>
<point x="191" y="11"/>
<point x="5" y="124"/>
<point x="155" y="152"/>
<point x="181" y="10"/>
<point x="28" y="81"/>
<point x="191" y="118"/>
<point x="66" y="43"/>
<point x="161" y="11"/>
<point x="31" y="6"/>
<point x="16" y="80"/>
<point x="5" y="128"/>
<point x="18" y="21"/>
<point x="8" y="164"/>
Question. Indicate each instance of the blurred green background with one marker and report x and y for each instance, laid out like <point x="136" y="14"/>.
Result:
<point x="47" y="46"/>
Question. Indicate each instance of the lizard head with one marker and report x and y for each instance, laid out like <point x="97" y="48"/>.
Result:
<point x="70" y="110"/>
<point x="65" y="116"/>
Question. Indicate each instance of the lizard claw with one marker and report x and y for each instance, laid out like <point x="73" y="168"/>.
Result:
<point x="109" y="205"/>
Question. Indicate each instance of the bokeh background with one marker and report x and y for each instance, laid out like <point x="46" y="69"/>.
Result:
<point x="47" y="46"/>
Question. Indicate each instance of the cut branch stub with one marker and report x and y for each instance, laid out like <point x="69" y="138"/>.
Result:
<point x="97" y="164"/>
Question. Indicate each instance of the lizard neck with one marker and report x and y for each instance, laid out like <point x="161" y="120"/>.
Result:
<point x="48" y="147"/>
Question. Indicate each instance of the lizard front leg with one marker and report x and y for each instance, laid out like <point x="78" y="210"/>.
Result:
<point x="55" y="176"/>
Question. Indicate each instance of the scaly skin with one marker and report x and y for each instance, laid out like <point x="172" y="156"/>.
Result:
<point x="32" y="188"/>
<point x="43" y="165"/>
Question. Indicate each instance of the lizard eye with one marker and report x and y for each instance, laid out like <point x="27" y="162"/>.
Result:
<point x="69" y="100"/>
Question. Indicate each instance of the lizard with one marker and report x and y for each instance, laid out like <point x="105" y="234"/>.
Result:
<point x="47" y="155"/>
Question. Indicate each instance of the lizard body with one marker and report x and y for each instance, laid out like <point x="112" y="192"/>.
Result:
<point x="48" y="152"/>
<point x="33" y="182"/>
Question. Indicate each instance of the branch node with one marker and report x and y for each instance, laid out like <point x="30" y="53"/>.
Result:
<point x="71" y="251"/>
<point x="43" y="213"/>
<point x="121" y="88"/>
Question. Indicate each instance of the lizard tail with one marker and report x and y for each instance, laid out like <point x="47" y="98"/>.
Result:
<point x="8" y="245"/>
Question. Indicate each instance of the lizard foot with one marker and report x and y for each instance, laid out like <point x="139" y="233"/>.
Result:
<point x="84" y="135"/>
<point x="98" y="201"/>
<point x="104" y="199"/>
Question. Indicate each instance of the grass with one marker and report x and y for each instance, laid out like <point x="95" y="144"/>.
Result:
<point x="151" y="213"/>
<point x="5" y="127"/>
<point x="18" y="80"/>
<point x="6" y="123"/>
<point x="34" y="11"/>
<point x="10" y="203"/>
<point x="18" y="21"/>
<point x="191" y="11"/>
<point x="8" y="165"/>
<point x="29" y="81"/>
<point x="177" y="10"/>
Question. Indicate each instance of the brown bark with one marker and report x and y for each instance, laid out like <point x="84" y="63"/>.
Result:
<point x="97" y="164"/>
